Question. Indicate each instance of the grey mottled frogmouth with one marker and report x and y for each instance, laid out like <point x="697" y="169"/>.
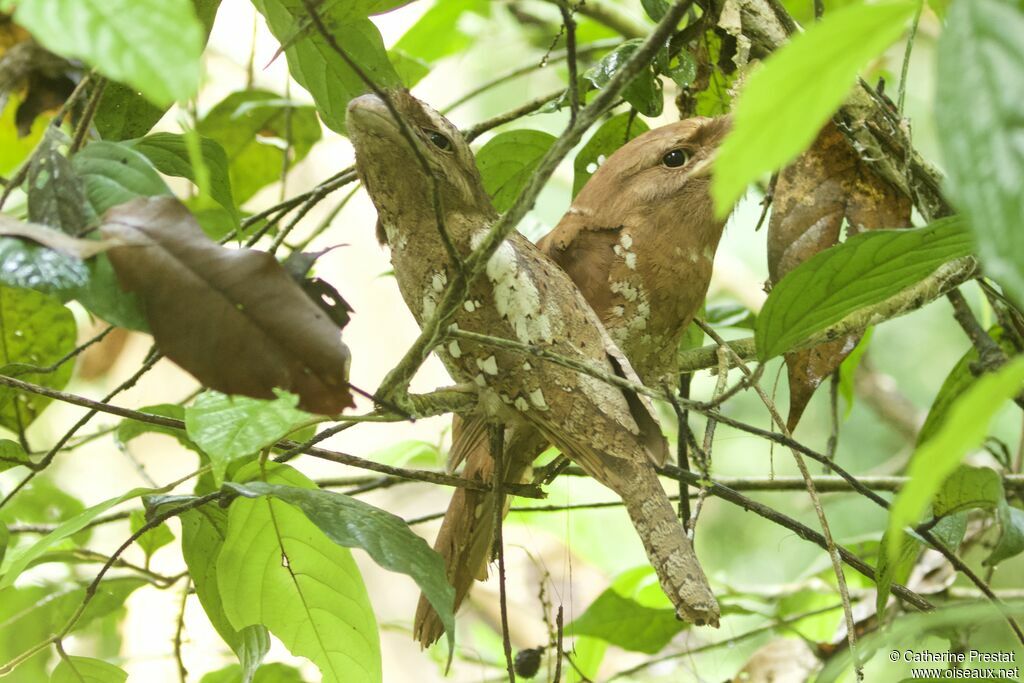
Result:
<point x="522" y="295"/>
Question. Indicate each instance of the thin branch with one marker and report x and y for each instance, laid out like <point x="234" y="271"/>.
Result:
<point x="570" y="50"/>
<point x="90" y="111"/>
<point x="498" y="485"/>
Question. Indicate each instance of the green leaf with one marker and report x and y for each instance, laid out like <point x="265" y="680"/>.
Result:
<point x="268" y="673"/>
<point x="436" y="33"/>
<point x="5" y="539"/>
<point x="114" y="173"/>
<point x="315" y="64"/>
<point x="14" y="149"/>
<point x="27" y="265"/>
<point x="276" y="568"/>
<point x="1011" y="535"/>
<point x="169" y="153"/>
<point x="848" y="369"/>
<point x="129" y="428"/>
<point x="17" y="562"/>
<point x="153" y="45"/>
<point x="42" y="502"/>
<point x="865" y="270"/>
<point x="626" y="623"/>
<point x="351" y="523"/>
<point x="890" y="570"/>
<point x="655" y="9"/>
<point x="730" y="314"/>
<point x="123" y="112"/>
<point x="11" y="454"/>
<point x="103" y="296"/>
<point x="777" y="115"/>
<point x="614" y="133"/>
<point x="410" y="69"/>
<point x="410" y="454"/>
<point x="968" y="488"/>
<point x="203" y="531"/>
<point x="977" y="111"/>
<point x="152" y="540"/>
<point x="963" y="430"/>
<point x="248" y="124"/>
<point x="87" y="670"/>
<point x="35" y="330"/>
<point x="56" y="196"/>
<point x="508" y="160"/>
<point x="643" y="92"/>
<point x="230" y="427"/>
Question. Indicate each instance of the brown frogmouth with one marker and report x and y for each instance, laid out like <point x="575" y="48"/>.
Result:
<point x="522" y="295"/>
<point x="639" y="241"/>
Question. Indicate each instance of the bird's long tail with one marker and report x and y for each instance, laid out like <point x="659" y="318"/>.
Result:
<point x="467" y="532"/>
<point x="668" y="548"/>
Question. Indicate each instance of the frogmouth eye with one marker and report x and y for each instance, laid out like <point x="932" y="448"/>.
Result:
<point x="675" y="158"/>
<point x="439" y="140"/>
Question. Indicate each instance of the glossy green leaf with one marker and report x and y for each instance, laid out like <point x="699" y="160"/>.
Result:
<point x="276" y="568"/>
<point x="18" y="561"/>
<point x="777" y="115"/>
<point x="963" y="429"/>
<point x="27" y="265"/>
<point x="230" y="427"/>
<point x="168" y="152"/>
<point x="87" y="670"/>
<point x="1011" y="535"/>
<point x="865" y="270"/>
<point x="977" y="110"/>
<point x="351" y="523"/>
<point x="152" y="540"/>
<point x="274" y="672"/>
<point x="114" y="173"/>
<point x="643" y="92"/>
<point x="249" y="125"/>
<point x="36" y="330"/>
<point x="968" y="488"/>
<point x="203" y="531"/>
<point x="123" y="112"/>
<point x="153" y="45"/>
<point x="508" y="160"/>
<point x="315" y="64"/>
<point x="613" y="133"/>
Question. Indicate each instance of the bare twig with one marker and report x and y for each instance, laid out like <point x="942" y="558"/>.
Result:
<point x="498" y="485"/>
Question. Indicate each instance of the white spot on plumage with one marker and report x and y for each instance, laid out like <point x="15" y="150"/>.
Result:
<point x="454" y="349"/>
<point x="438" y="281"/>
<point x="469" y="306"/>
<point x="521" y="404"/>
<point x="537" y="399"/>
<point x="480" y="380"/>
<point x="626" y="240"/>
<point x="631" y="260"/>
<point x="488" y="365"/>
<point x="515" y="295"/>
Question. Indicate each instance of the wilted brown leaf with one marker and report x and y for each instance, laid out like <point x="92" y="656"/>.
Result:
<point x="813" y="195"/>
<point x="232" y="317"/>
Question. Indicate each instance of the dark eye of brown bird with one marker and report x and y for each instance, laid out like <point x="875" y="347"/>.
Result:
<point x="439" y="140"/>
<point x="675" y="158"/>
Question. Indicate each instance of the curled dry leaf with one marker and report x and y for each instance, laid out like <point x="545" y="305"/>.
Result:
<point x="54" y="239"/>
<point x="813" y="195"/>
<point x="233" y="318"/>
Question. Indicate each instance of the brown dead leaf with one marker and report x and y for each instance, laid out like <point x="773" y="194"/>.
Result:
<point x="54" y="239"/>
<point x="813" y="195"/>
<point x="233" y="318"/>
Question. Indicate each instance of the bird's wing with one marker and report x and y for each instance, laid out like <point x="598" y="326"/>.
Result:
<point x="469" y="435"/>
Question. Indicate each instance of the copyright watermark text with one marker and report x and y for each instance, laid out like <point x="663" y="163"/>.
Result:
<point x="968" y="665"/>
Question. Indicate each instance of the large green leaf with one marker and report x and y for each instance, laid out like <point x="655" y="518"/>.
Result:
<point x="786" y="102"/>
<point x="268" y="673"/>
<point x="981" y="74"/>
<point x="56" y="196"/>
<point x="243" y="121"/>
<point x="964" y="428"/>
<point x="230" y="427"/>
<point x="614" y="133"/>
<point x="87" y="670"/>
<point x="103" y="296"/>
<point x="130" y="429"/>
<point x="318" y="67"/>
<point x="1011" y="535"/>
<point x="35" y="330"/>
<point x="123" y="112"/>
<point x="169" y="153"/>
<point x="28" y="265"/>
<point x="968" y="488"/>
<point x="276" y="568"/>
<point x="16" y="562"/>
<point x="436" y="33"/>
<point x="508" y="160"/>
<point x="866" y="269"/>
<point x="386" y="537"/>
<point x="114" y="173"/>
<point x="153" y="45"/>
<point x="203" y="531"/>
